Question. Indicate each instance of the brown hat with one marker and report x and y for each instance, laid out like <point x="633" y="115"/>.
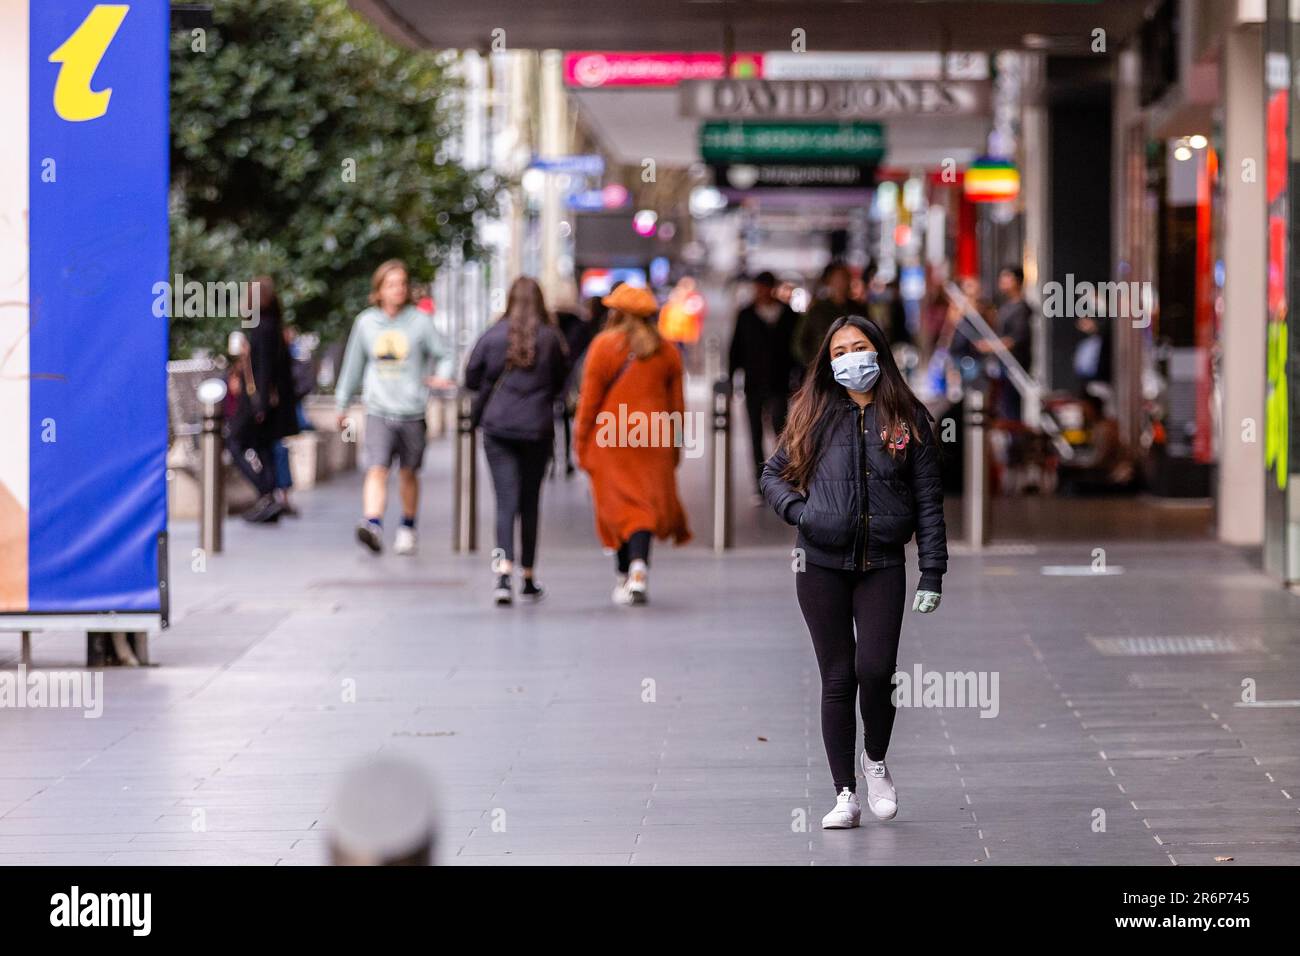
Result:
<point x="632" y="301"/>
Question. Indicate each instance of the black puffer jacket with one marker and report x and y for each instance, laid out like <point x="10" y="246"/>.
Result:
<point x="864" y="504"/>
<point x="518" y="403"/>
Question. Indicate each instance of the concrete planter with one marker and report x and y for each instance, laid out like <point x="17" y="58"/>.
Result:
<point x="308" y="461"/>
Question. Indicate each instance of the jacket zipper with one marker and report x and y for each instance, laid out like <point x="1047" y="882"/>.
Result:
<point x="862" y="485"/>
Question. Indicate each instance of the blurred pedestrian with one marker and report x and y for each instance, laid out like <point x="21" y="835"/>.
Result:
<point x="265" y="410"/>
<point x="518" y="368"/>
<point x="761" y="348"/>
<point x="304" y="380"/>
<point x="392" y="348"/>
<point x="631" y="384"/>
<point x="934" y="316"/>
<point x="857" y="471"/>
<point x="1015" y="329"/>
<point x="682" y="317"/>
<point x="832" y="302"/>
<point x="597" y="312"/>
<point x="886" y="307"/>
<point x="577" y="333"/>
<point x="894" y="313"/>
<point x="1093" y="354"/>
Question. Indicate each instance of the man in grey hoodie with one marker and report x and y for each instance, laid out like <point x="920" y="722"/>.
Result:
<point x="391" y="352"/>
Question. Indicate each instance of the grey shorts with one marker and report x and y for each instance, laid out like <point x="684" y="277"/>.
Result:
<point x="389" y="438"/>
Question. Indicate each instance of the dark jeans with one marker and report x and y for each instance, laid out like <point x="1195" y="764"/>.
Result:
<point x="517" y="470"/>
<point x="759" y="404"/>
<point x="283" y="473"/>
<point x="833" y="602"/>
<point x="634" y="548"/>
<point x="256" y="462"/>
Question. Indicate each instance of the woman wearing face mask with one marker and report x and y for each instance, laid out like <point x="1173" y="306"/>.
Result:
<point x="857" y="472"/>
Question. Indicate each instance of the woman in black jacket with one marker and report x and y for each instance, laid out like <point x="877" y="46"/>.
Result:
<point x="266" y="406"/>
<point x="518" y="368"/>
<point x="857" y="472"/>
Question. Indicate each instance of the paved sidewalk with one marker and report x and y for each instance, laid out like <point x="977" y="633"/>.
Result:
<point x="538" y="716"/>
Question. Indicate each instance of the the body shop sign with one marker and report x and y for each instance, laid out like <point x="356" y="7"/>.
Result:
<point x="832" y="99"/>
<point x="594" y="70"/>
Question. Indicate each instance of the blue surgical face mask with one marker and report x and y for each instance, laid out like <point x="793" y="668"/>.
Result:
<point x="856" y="371"/>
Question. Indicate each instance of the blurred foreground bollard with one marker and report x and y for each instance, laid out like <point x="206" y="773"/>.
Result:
<point x="975" y="481"/>
<point x="212" y="493"/>
<point x="720" y="460"/>
<point x="464" y="504"/>
<point x="383" y="815"/>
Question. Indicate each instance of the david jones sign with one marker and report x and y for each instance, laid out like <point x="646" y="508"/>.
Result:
<point x="832" y="99"/>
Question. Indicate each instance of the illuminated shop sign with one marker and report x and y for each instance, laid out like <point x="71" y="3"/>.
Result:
<point x="832" y="99"/>
<point x="594" y="70"/>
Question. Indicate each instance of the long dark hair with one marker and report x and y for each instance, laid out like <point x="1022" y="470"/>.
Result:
<point x="526" y="313"/>
<point x="820" y="400"/>
<point x="268" y="333"/>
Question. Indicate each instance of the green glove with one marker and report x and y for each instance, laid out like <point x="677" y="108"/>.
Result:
<point x="926" y="601"/>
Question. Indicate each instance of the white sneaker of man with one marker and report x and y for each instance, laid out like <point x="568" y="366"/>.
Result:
<point x="406" y="541"/>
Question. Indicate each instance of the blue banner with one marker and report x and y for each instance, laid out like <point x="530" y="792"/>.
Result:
<point x="97" y="441"/>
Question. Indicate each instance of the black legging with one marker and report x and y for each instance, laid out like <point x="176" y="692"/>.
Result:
<point x="567" y="416"/>
<point x="517" y="471"/>
<point x="832" y="603"/>
<point x="634" y="548"/>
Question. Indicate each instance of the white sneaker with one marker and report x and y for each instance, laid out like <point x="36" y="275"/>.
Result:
<point x="621" y="595"/>
<point x="882" y="798"/>
<point x="847" y="812"/>
<point x="638" y="582"/>
<point x="406" y="541"/>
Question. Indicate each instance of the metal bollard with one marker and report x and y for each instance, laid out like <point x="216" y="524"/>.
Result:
<point x="212" y="491"/>
<point x="975" y="479"/>
<point x="464" y="531"/>
<point x="720" y="469"/>
<point x="713" y="359"/>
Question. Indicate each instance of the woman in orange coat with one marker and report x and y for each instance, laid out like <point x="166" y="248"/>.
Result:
<point x="629" y="428"/>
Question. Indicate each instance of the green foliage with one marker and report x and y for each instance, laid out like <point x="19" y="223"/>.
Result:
<point x="264" y="124"/>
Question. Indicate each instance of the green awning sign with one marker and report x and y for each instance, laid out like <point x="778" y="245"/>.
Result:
<point x="856" y="143"/>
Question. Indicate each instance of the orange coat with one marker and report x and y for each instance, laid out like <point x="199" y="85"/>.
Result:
<point x="620" y="443"/>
